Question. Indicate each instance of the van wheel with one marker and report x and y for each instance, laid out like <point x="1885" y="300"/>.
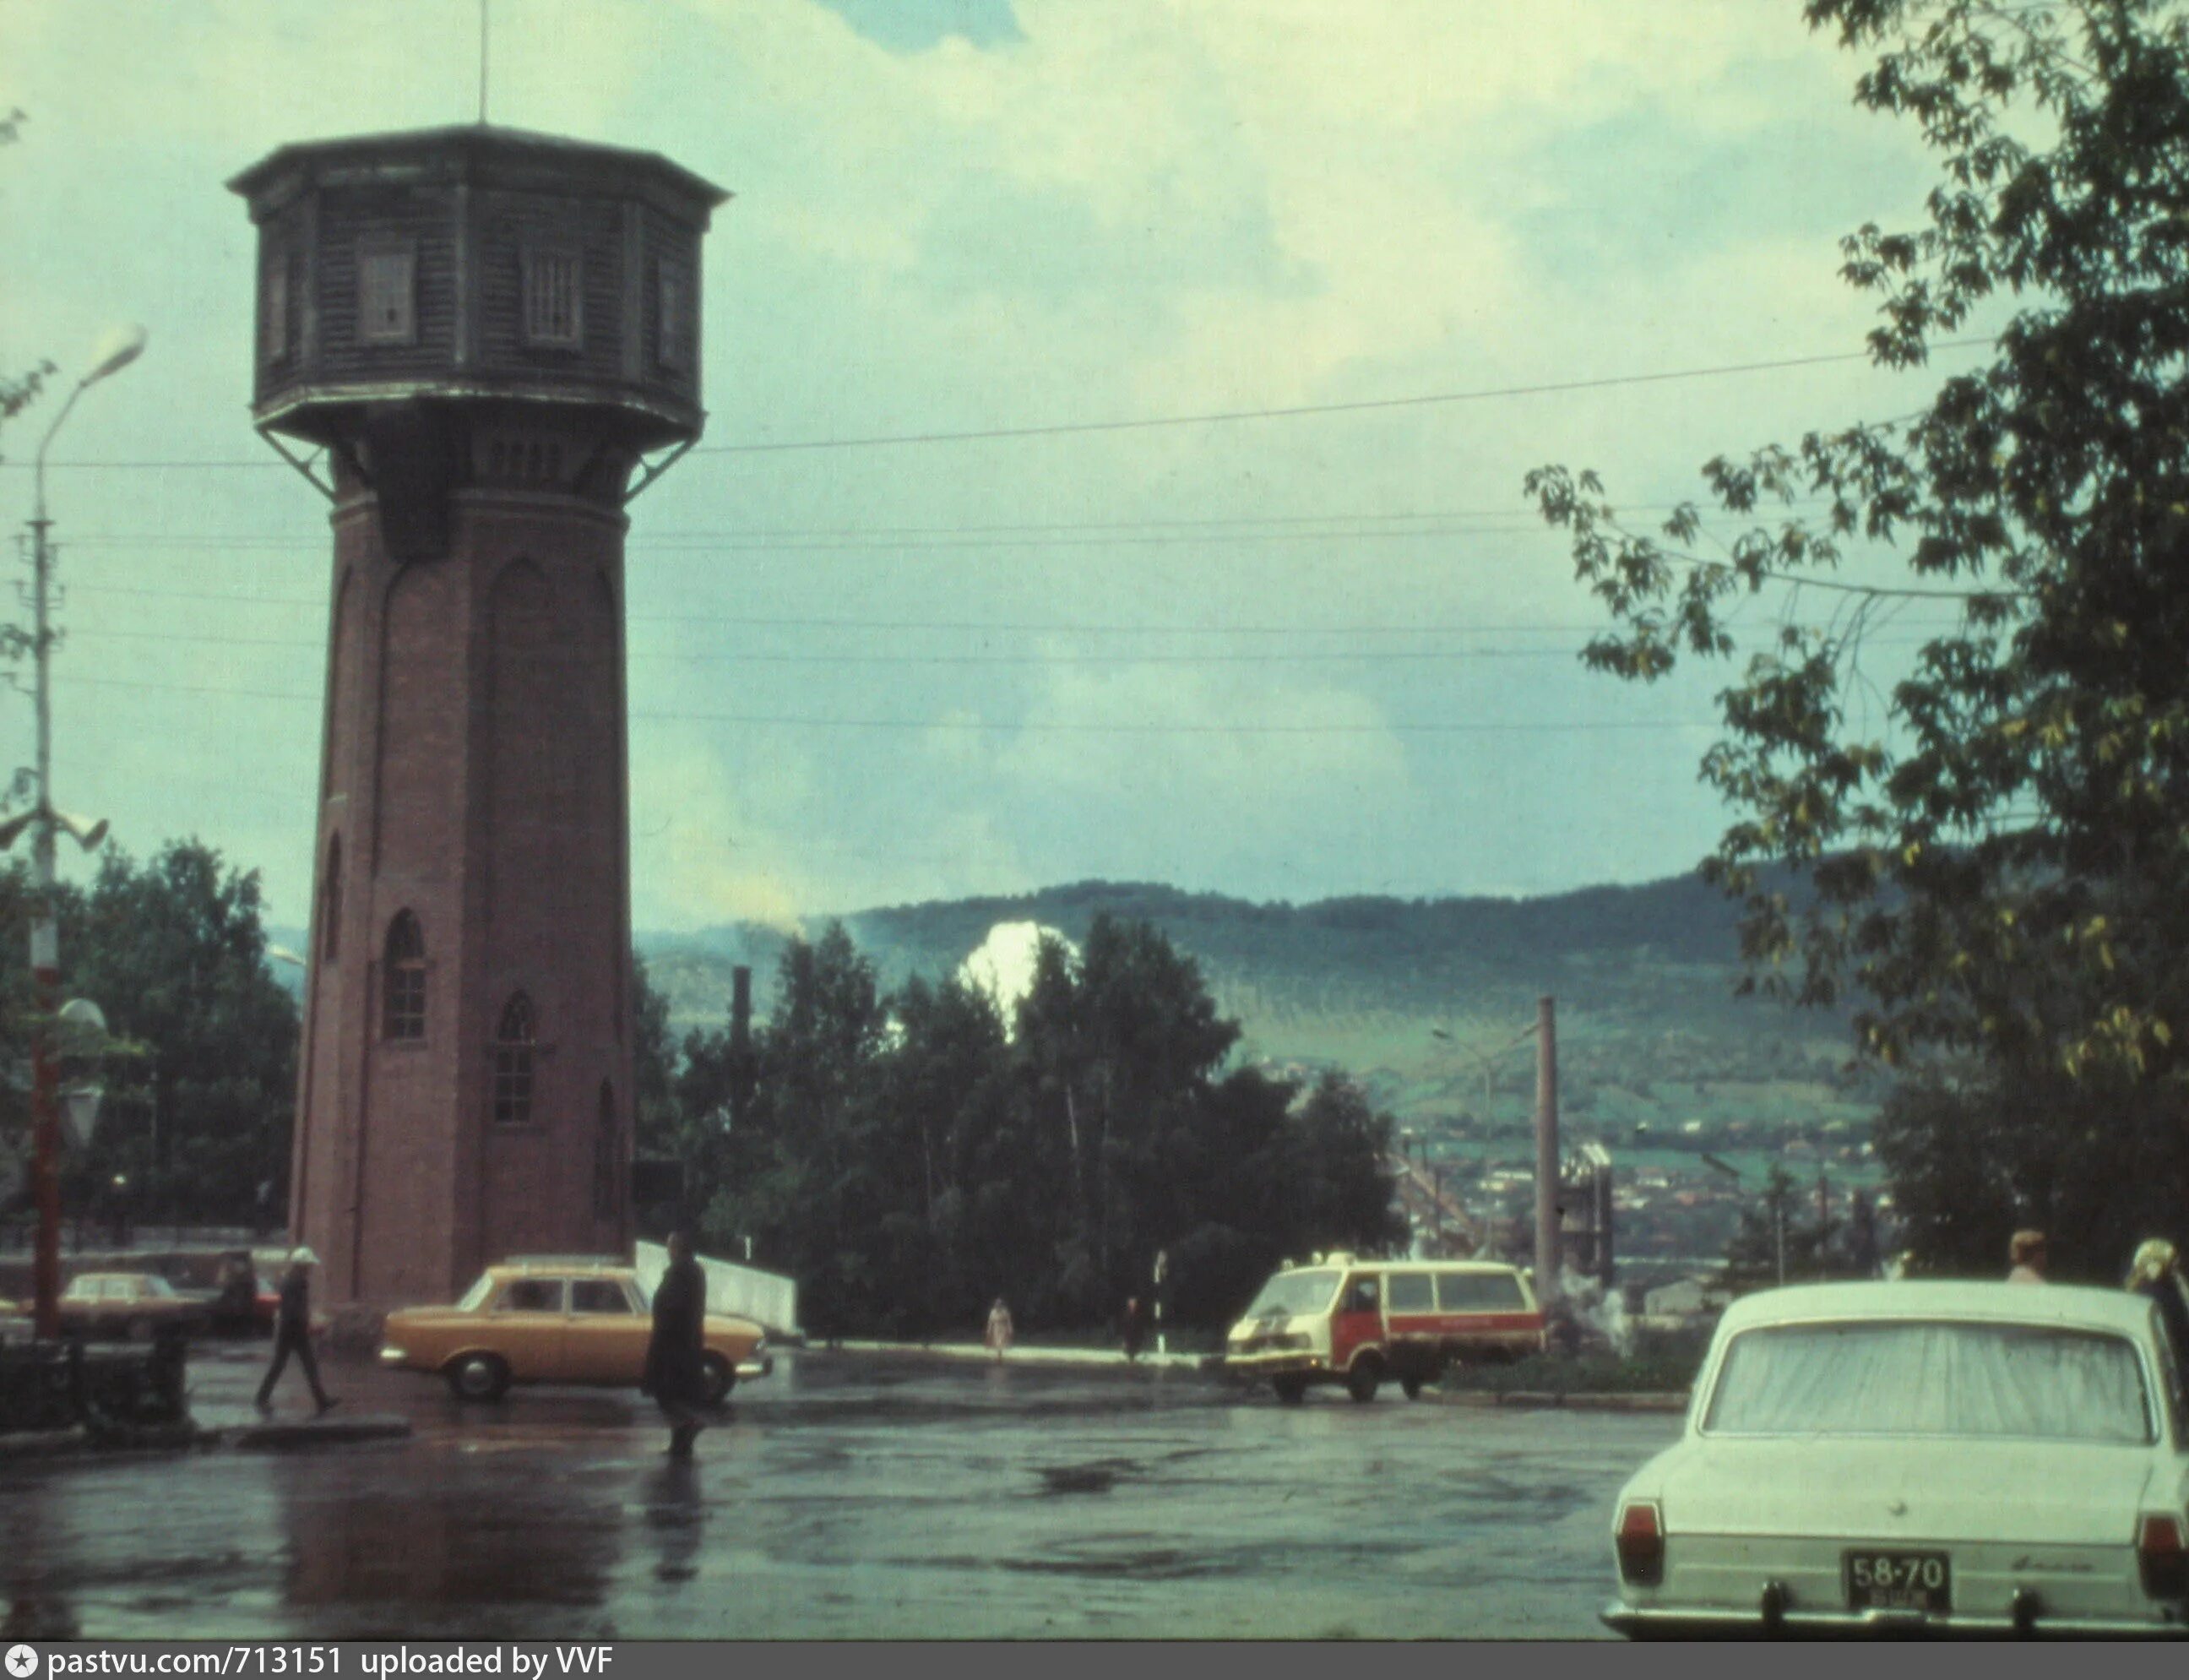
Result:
<point x="1363" y="1380"/>
<point x="1289" y="1389"/>
<point x="1411" y="1383"/>
<point x="479" y="1377"/>
<point x="716" y="1379"/>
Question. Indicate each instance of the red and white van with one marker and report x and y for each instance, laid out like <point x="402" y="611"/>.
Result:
<point x="1359" y="1322"/>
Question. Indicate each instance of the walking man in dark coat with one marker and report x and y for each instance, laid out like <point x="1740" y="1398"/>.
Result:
<point x="674" y="1372"/>
<point x="292" y="1331"/>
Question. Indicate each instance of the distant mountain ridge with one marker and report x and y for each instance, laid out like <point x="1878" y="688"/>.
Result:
<point x="1643" y="976"/>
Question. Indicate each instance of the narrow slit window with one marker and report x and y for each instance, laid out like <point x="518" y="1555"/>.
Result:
<point x="273" y="316"/>
<point x="330" y="903"/>
<point x="403" y="1013"/>
<point x="605" y="1156"/>
<point x="553" y="299"/>
<point x="387" y="294"/>
<point x="672" y="317"/>
<point x="514" y="1043"/>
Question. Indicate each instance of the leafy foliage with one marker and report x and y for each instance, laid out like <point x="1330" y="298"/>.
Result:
<point x="2002" y="870"/>
<point x="1972" y="1161"/>
<point x="908" y="1157"/>
<point x="196" y="1118"/>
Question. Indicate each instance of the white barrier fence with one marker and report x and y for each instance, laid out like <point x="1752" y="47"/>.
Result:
<point x="768" y="1298"/>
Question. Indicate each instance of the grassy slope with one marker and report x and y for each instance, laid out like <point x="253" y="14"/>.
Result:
<point x="1649" y="1032"/>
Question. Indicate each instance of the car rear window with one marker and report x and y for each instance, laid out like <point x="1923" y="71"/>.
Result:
<point x="1479" y="1291"/>
<point x="1930" y="1378"/>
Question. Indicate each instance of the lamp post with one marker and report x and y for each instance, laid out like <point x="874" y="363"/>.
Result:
<point x="121" y="349"/>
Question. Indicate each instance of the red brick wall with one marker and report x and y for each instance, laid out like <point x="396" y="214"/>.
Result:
<point x="474" y="773"/>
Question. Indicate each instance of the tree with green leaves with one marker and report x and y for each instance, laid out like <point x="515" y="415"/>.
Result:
<point x="1994" y="865"/>
<point x="197" y="1113"/>
<point x="909" y="1157"/>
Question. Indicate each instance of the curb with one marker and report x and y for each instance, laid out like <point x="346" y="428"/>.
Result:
<point x="316" y="1432"/>
<point x="79" y="1443"/>
<point x="1023" y="1357"/>
<point x="1541" y="1399"/>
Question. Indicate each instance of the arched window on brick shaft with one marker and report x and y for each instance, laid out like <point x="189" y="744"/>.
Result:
<point x="403" y="1014"/>
<point x="330" y="903"/>
<point x="514" y="1043"/>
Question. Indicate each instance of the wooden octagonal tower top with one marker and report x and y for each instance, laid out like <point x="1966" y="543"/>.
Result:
<point x="469" y="264"/>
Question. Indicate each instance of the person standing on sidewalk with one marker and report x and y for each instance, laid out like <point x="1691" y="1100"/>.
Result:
<point x="292" y="1332"/>
<point x="2026" y="1254"/>
<point x="674" y="1368"/>
<point x="1132" y="1328"/>
<point x="998" y="1338"/>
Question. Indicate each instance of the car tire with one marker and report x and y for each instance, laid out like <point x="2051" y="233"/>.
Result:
<point x="1363" y="1380"/>
<point x="1291" y="1390"/>
<point x="717" y="1378"/>
<point x="1411" y="1384"/>
<point x="479" y="1377"/>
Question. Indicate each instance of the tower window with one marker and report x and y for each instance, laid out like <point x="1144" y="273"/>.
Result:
<point x="403" y="1014"/>
<point x="330" y="903"/>
<point x="274" y="316"/>
<point x="515" y="1041"/>
<point x="553" y="301"/>
<point x="672" y="316"/>
<point x="387" y="294"/>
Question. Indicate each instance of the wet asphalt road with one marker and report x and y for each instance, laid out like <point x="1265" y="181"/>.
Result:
<point x="841" y="1497"/>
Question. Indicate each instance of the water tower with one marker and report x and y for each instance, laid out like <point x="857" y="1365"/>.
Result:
<point x="478" y="337"/>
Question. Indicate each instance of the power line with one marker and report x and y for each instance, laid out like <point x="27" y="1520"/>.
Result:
<point x="1529" y="519"/>
<point x="1359" y="656"/>
<point x="983" y="727"/>
<point x="975" y="626"/>
<point x="1213" y="417"/>
<point x="1301" y="411"/>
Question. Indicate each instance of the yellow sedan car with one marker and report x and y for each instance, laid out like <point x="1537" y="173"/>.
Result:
<point x="558" y="1321"/>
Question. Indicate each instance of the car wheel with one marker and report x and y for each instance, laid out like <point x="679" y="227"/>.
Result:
<point x="1363" y="1380"/>
<point x="716" y="1379"/>
<point x="479" y="1377"/>
<point x="1412" y="1384"/>
<point x="1289" y="1389"/>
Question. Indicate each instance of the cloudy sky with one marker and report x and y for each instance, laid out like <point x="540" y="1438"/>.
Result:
<point x="1284" y="657"/>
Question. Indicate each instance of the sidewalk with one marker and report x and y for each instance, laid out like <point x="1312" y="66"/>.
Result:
<point x="1082" y="1359"/>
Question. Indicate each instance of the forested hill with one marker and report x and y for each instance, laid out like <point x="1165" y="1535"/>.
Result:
<point x="1649" y="1029"/>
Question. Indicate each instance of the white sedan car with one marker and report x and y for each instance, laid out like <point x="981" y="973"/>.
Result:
<point x="1969" y="1457"/>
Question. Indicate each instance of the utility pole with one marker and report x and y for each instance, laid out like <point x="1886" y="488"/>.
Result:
<point x="1549" y="1251"/>
<point x="1824" y="1220"/>
<point x="45" y="933"/>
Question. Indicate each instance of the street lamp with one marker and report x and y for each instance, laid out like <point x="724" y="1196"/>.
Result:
<point x="116" y="352"/>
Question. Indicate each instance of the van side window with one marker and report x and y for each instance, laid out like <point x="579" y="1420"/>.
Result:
<point x="1412" y="1292"/>
<point x="1479" y="1292"/>
<point x="1363" y="1295"/>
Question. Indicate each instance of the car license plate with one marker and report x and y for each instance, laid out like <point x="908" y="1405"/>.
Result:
<point x="1898" y="1581"/>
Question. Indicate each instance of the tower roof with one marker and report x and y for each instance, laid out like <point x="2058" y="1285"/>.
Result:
<point x="476" y="153"/>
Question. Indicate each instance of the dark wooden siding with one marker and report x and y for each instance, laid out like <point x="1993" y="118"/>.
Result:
<point x="280" y="242"/>
<point x="666" y="240"/>
<point x="510" y="222"/>
<point x="349" y="215"/>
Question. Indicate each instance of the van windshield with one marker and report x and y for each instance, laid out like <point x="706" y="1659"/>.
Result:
<point x="1292" y="1292"/>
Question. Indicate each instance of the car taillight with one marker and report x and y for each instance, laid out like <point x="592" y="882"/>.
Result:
<point x="1640" y="1543"/>
<point x="2161" y="1557"/>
